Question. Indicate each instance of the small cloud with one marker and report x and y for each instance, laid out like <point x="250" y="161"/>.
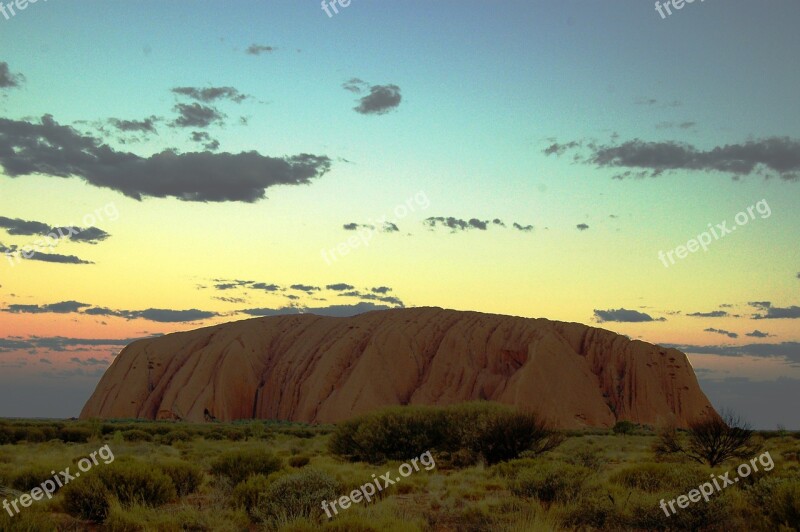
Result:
<point x="196" y="115"/>
<point x="758" y="334"/>
<point x="338" y="287"/>
<point x="355" y="85"/>
<point x="582" y="227"/>
<point x="523" y="228"/>
<point x="712" y="314"/>
<point x="210" y="94"/>
<point x="305" y="288"/>
<point x="380" y="100"/>
<point x="722" y="332"/>
<point x="258" y="49"/>
<point x="623" y="316"/>
<point x="9" y="80"/>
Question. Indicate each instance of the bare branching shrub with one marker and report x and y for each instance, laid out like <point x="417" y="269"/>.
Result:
<point x="710" y="441"/>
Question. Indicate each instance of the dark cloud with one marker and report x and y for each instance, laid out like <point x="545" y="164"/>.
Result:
<point x="64" y="307"/>
<point x="152" y="314"/>
<point x="389" y="227"/>
<point x="258" y="49"/>
<point x="223" y="284"/>
<point x="210" y="94"/>
<point x="148" y="125"/>
<point x="7" y="79"/>
<point x="380" y="289"/>
<point x="266" y="287"/>
<point x="57" y="258"/>
<point x="197" y="115"/>
<point x="774" y="313"/>
<point x="758" y="334"/>
<point x="778" y="156"/>
<point x="722" y="332"/>
<point x="92" y="361"/>
<point x="456" y="224"/>
<point x="380" y="100"/>
<point x="355" y="227"/>
<point x="712" y="314"/>
<point x="305" y="288"/>
<point x="54" y="150"/>
<point x="373" y="297"/>
<point x="355" y="85"/>
<point x="582" y="227"/>
<point x="523" y="228"/>
<point x="679" y="125"/>
<point x="17" y="226"/>
<point x="231" y="299"/>
<point x="623" y="315"/>
<point x="205" y="139"/>
<point x="788" y="350"/>
<point x="339" y="287"/>
<point x="341" y="311"/>
<point x="558" y="149"/>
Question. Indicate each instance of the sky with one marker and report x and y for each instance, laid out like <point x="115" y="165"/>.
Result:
<point x="171" y="165"/>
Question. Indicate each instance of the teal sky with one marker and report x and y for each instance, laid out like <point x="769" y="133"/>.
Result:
<point x="710" y="93"/>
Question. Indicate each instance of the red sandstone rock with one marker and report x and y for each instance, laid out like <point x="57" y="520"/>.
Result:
<point x="322" y="369"/>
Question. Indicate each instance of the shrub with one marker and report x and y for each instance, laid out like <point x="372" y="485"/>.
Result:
<point x="238" y="465"/>
<point x="298" y="495"/>
<point x="489" y="430"/>
<point x="551" y="482"/>
<point x="185" y="477"/>
<point x="504" y="435"/>
<point x="711" y="441"/>
<point x="176" y="435"/>
<point x="248" y="493"/>
<point x="624" y="427"/>
<point x="87" y="498"/>
<point x="298" y="461"/>
<point x="133" y="482"/>
<point x="397" y="433"/>
<point x="30" y="477"/>
<point x="74" y="434"/>
<point x="784" y="508"/>
<point x="136" y="435"/>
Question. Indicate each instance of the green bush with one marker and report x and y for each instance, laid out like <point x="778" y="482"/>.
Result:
<point x="298" y="495"/>
<point x="185" y="477"/>
<point x="298" y="461"/>
<point x="74" y="434"/>
<point x="784" y="508"/>
<point x="624" y="427"/>
<point x="134" y="482"/>
<point x="492" y="431"/>
<point x="136" y="435"/>
<point x="30" y="477"/>
<point x="87" y="498"/>
<point x="173" y="436"/>
<point x="247" y="494"/>
<point x="551" y="482"/>
<point x="238" y="465"/>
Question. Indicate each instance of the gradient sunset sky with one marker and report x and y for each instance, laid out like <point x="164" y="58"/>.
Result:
<point x="220" y="160"/>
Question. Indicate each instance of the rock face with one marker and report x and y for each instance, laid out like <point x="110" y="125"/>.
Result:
<point x="322" y="369"/>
